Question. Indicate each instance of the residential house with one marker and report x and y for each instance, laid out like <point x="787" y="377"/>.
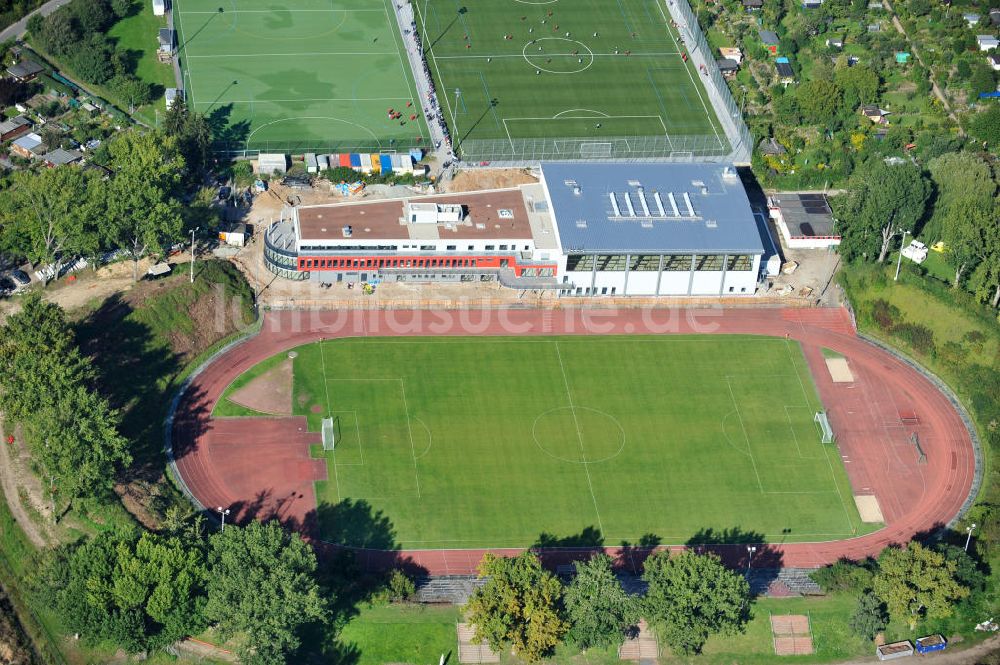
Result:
<point x="993" y="60"/>
<point x="26" y="70"/>
<point x="60" y="157"/>
<point x="770" y="40"/>
<point x="13" y="128"/>
<point x="28" y="146"/>
<point x="875" y="114"/>
<point x="732" y="53"/>
<point x="971" y="19"/>
<point x="987" y="42"/>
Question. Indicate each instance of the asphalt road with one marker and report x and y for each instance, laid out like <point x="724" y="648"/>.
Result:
<point x="17" y="29"/>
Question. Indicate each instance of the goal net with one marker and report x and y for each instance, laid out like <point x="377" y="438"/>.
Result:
<point x="328" y="436"/>
<point x="826" y="432"/>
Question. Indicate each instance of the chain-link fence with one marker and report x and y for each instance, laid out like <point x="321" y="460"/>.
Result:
<point x="635" y="148"/>
<point x="319" y="146"/>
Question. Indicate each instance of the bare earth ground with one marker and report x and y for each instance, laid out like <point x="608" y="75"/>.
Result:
<point x="271" y="392"/>
<point x="14" y="475"/>
<point x="467" y="181"/>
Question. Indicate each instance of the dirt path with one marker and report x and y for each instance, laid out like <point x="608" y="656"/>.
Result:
<point x="970" y="656"/>
<point x="9" y="486"/>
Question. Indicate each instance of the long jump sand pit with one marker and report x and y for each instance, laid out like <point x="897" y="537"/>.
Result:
<point x="840" y="372"/>
<point x="869" y="509"/>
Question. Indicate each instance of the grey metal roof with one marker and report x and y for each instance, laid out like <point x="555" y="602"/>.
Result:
<point x="25" y="68"/>
<point x="653" y="214"/>
<point x="807" y="215"/>
<point x="768" y="36"/>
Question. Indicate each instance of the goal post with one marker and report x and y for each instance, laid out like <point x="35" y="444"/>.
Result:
<point x="826" y="432"/>
<point x="329" y="439"/>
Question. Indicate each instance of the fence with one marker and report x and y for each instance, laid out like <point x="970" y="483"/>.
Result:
<point x="743" y="140"/>
<point x="634" y="148"/>
<point x="242" y="148"/>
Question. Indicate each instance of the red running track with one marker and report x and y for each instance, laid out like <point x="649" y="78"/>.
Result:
<point x="260" y="467"/>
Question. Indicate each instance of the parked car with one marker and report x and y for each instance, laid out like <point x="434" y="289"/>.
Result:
<point x="20" y="278"/>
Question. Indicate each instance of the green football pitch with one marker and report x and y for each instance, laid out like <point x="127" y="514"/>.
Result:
<point x="493" y="442"/>
<point x="565" y="79"/>
<point x="315" y="75"/>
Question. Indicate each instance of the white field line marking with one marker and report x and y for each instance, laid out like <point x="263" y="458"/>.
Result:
<point x="409" y="429"/>
<point x="293" y="55"/>
<point x="332" y="99"/>
<point x="411" y="85"/>
<point x="697" y="89"/>
<point x="753" y="462"/>
<point x="189" y="93"/>
<point x="271" y="11"/>
<point x="557" y="55"/>
<point x="579" y="436"/>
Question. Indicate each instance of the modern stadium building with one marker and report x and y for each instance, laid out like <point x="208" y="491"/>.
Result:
<point x="586" y="229"/>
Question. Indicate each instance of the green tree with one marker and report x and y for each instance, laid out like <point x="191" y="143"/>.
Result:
<point x="53" y="215"/>
<point x="131" y="91"/>
<point x="598" y="608"/>
<point x="193" y="135"/>
<point x="93" y="16"/>
<point x="141" y="590"/>
<point x="143" y="213"/>
<point x="122" y="8"/>
<point x="870" y="617"/>
<point x="263" y="589"/>
<point x="882" y="200"/>
<point x="859" y="83"/>
<point x="983" y="79"/>
<point x="985" y="126"/>
<point x="518" y="607"/>
<point x="820" y="101"/>
<point x="692" y="596"/>
<point x="917" y="582"/>
<point x="59" y="32"/>
<point x="92" y="60"/>
<point x="965" y="210"/>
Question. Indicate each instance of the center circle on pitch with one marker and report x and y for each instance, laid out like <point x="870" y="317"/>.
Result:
<point x="578" y="434"/>
<point x="554" y="55"/>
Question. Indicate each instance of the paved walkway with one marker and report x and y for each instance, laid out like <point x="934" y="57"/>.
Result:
<point x="18" y="29"/>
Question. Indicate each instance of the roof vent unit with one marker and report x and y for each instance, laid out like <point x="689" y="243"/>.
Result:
<point x="673" y="204"/>
<point x="348" y="231"/>
<point x="614" y="204"/>
<point x="642" y="202"/>
<point x="711" y="223"/>
<point x="697" y="183"/>
<point x="570" y="183"/>
<point x="687" y="202"/>
<point x="647" y="223"/>
<point x="659" y="204"/>
<point x="704" y="191"/>
<point x="581" y="223"/>
<point x="729" y="173"/>
<point x="634" y="183"/>
<point x="628" y="204"/>
<point x="577" y="191"/>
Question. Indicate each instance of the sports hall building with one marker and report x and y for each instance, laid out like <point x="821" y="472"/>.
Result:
<point x="586" y="229"/>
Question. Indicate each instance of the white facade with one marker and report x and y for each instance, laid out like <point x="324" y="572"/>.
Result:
<point x="660" y="275"/>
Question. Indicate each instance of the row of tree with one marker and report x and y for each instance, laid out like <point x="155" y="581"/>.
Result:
<point x="77" y="33"/>
<point x="145" y="591"/>
<point x="956" y="200"/>
<point x="46" y="386"/>
<point x="525" y="608"/>
<point x="53" y="216"/>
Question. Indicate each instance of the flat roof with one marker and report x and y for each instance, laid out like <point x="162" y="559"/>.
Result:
<point x="382" y="220"/>
<point x="656" y="219"/>
<point x="805" y="215"/>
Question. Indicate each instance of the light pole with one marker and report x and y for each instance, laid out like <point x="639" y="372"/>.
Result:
<point x="750" y="552"/>
<point x="223" y="512"/>
<point x="968" y="535"/>
<point x="454" y="120"/>
<point x="193" y="231"/>
<point x="899" y="261"/>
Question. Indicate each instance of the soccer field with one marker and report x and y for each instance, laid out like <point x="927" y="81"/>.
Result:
<point x="565" y="80"/>
<point x="315" y="75"/>
<point x="493" y="442"/>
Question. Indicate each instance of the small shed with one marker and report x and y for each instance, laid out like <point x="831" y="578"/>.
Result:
<point x="271" y="163"/>
<point x="355" y="161"/>
<point x="376" y="162"/>
<point x="171" y="95"/>
<point x="877" y="115"/>
<point x="344" y="159"/>
<point x="385" y="163"/>
<point x="971" y="19"/>
<point x="416" y="154"/>
<point x="159" y="7"/>
<point x="402" y="164"/>
<point x="165" y="38"/>
<point x="727" y="67"/>
<point x="26" y="70"/>
<point x="785" y="72"/>
<point x="28" y="146"/>
<point x="311" y="164"/>
<point x="60" y="157"/>
<point x="835" y="43"/>
<point x="753" y="5"/>
<point x="13" y="128"/>
<point x="995" y="16"/>
<point x="235" y="234"/>
<point x="322" y="162"/>
<point x="812" y="4"/>
<point x="993" y="60"/>
<point x="729" y="53"/>
<point x="770" y="40"/>
<point x="987" y="42"/>
<point x="902" y="57"/>
<point x="158" y="270"/>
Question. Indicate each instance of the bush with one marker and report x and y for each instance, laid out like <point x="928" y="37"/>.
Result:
<point x="919" y="337"/>
<point x="884" y="314"/>
<point x="843" y="576"/>
<point x="870" y="618"/>
<point x="400" y="587"/>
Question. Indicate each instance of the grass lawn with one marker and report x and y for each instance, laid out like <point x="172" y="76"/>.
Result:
<point x="402" y="634"/>
<point x="138" y="35"/>
<point x="469" y="442"/>
<point x="531" y="74"/>
<point x="318" y="76"/>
